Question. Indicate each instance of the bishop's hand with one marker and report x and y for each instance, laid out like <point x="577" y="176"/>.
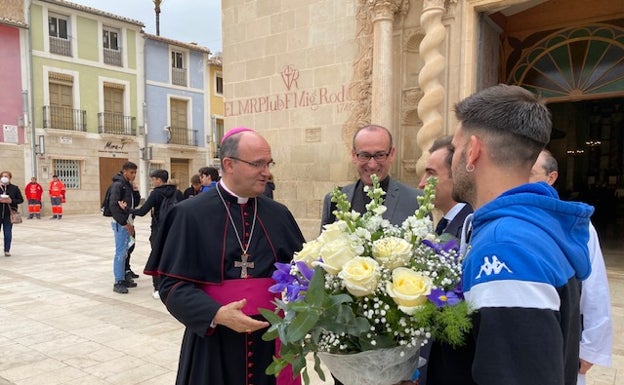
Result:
<point x="232" y="316"/>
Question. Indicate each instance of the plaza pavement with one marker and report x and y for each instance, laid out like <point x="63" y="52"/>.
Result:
<point x="61" y="322"/>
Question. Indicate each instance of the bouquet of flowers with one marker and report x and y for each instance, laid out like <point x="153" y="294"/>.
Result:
<point x="366" y="285"/>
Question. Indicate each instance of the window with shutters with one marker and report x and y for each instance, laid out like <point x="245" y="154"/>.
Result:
<point x="61" y="109"/>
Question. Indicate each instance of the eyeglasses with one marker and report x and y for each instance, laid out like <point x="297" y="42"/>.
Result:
<point x="259" y="164"/>
<point x="378" y="156"/>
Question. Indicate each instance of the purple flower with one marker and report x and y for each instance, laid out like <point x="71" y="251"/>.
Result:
<point x="295" y="285"/>
<point x="451" y="244"/>
<point x="442" y="298"/>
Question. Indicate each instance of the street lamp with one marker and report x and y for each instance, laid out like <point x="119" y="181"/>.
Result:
<point x="157" y="11"/>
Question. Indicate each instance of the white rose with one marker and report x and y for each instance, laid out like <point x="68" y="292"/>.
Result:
<point x="310" y="252"/>
<point x="360" y="276"/>
<point x="336" y="253"/>
<point x="332" y="231"/>
<point x="409" y="289"/>
<point x="392" y="252"/>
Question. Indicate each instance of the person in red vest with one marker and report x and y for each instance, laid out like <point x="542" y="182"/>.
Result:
<point x="34" y="191"/>
<point x="57" y="197"/>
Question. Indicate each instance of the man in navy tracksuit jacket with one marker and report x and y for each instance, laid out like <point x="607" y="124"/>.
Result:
<point x="527" y="252"/>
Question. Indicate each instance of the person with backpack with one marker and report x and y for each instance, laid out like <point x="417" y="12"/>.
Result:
<point x="161" y="199"/>
<point x="122" y="194"/>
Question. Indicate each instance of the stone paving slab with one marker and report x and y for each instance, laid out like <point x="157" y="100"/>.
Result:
<point x="62" y="324"/>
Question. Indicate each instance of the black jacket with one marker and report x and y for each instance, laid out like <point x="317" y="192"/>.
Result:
<point x="122" y="191"/>
<point x="154" y="201"/>
<point x="16" y="198"/>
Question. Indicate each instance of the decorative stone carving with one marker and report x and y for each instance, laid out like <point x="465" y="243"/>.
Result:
<point x="430" y="104"/>
<point x="361" y="84"/>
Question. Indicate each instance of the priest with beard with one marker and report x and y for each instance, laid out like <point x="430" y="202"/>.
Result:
<point x="215" y="255"/>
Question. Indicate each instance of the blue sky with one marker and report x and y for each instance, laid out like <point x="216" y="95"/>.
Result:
<point x="188" y="21"/>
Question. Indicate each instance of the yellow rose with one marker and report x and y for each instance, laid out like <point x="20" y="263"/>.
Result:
<point x="336" y="253"/>
<point x="392" y="252"/>
<point x="409" y="289"/>
<point x="360" y="276"/>
<point x="310" y="252"/>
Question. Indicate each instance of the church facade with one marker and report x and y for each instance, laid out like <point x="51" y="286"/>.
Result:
<point x="308" y="73"/>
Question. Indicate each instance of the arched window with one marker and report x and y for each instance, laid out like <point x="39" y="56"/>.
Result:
<point x="573" y="62"/>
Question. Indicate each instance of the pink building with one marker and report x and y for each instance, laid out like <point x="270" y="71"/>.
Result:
<point x="11" y="130"/>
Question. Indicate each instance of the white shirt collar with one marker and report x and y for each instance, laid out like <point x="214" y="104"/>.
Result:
<point x="240" y="200"/>
<point x="450" y="215"/>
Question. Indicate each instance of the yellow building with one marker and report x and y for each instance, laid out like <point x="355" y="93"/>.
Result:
<point x="216" y="105"/>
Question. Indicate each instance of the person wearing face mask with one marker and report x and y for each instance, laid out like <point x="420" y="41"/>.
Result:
<point x="10" y="197"/>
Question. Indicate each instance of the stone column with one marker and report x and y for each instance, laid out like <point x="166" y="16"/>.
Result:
<point x="430" y="104"/>
<point x="382" y="15"/>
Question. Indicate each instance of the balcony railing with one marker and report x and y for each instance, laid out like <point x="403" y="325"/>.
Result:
<point x="112" y="57"/>
<point x="115" y="123"/>
<point x="60" y="46"/>
<point x="182" y="135"/>
<point x="178" y="76"/>
<point x="64" y="118"/>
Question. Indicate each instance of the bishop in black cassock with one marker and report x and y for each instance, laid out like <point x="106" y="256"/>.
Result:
<point x="201" y="259"/>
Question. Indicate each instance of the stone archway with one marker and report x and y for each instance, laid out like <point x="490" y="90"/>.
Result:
<point x="579" y="70"/>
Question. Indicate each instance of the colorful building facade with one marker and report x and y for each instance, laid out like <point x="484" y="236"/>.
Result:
<point x="177" y="106"/>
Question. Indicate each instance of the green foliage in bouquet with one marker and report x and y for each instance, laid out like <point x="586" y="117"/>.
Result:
<point x="365" y="284"/>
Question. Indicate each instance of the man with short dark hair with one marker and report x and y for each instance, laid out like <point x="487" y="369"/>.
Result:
<point x="215" y="256"/>
<point x="454" y="214"/>
<point x="439" y="165"/>
<point x="122" y="225"/>
<point x="208" y="176"/>
<point x="527" y="253"/>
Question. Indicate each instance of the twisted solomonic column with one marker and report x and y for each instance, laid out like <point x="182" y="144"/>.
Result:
<point x="433" y="93"/>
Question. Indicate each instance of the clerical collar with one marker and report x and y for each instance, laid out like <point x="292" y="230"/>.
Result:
<point x="239" y="200"/>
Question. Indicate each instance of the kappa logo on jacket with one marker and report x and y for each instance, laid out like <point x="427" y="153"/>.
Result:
<point x="494" y="267"/>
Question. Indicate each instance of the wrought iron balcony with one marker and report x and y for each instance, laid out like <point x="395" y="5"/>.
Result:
<point x="64" y="118"/>
<point x="60" y="46"/>
<point x="182" y="135"/>
<point x="115" y="123"/>
<point x="112" y="56"/>
<point x="178" y="76"/>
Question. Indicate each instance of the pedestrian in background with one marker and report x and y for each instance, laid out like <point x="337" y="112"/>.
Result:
<point x="122" y="224"/>
<point x="34" y="192"/>
<point x="194" y="188"/>
<point x="209" y="176"/>
<point x="57" y="197"/>
<point x="10" y="197"/>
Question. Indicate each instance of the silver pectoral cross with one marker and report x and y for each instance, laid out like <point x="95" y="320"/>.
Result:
<point x="244" y="264"/>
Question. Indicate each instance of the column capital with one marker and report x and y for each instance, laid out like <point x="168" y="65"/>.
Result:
<point x="385" y="9"/>
<point x="437" y="4"/>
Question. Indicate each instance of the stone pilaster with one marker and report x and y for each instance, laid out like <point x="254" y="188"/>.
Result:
<point x="382" y="16"/>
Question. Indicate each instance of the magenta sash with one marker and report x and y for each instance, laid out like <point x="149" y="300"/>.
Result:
<point x="256" y="292"/>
